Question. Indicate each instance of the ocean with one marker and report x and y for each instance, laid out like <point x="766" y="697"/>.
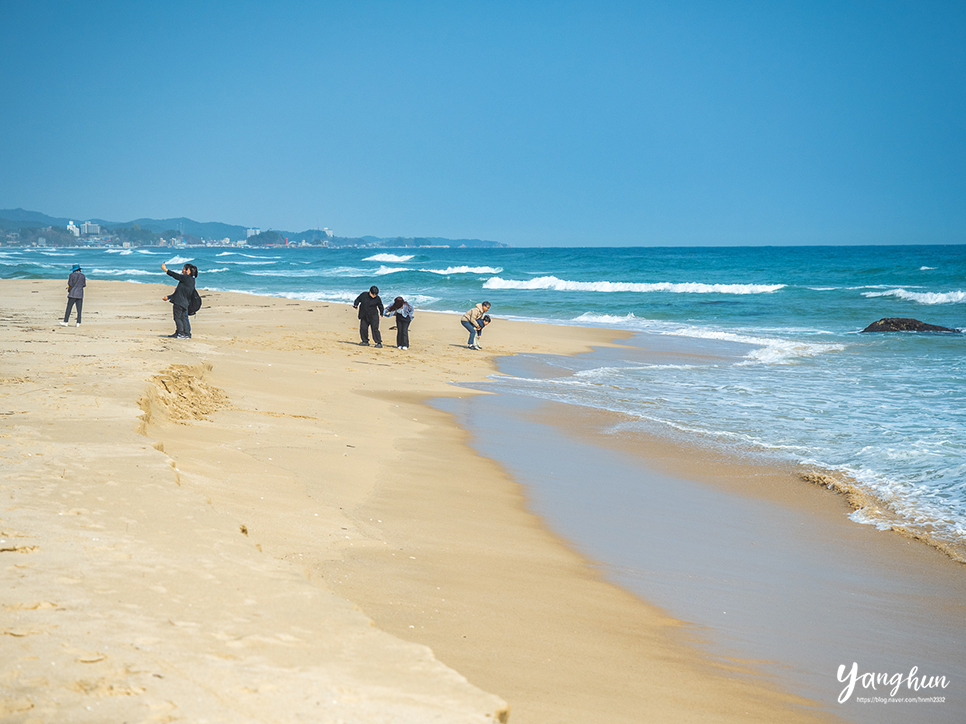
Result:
<point x="792" y="375"/>
<point x="761" y="355"/>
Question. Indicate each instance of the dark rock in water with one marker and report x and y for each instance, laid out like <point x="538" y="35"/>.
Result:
<point x="897" y="324"/>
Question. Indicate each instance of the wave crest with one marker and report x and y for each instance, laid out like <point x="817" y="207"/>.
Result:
<point x="562" y="285"/>
<point x="465" y="270"/>
<point x="389" y="257"/>
<point x="922" y="297"/>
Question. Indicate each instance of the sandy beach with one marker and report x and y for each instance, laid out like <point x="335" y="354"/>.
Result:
<point x="268" y="522"/>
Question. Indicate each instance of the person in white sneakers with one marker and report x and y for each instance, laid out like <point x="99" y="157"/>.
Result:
<point x="75" y="294"/>
<point x="482" y="321"/>
<point x="404" y="316"/>
<point x="471" y="322"/>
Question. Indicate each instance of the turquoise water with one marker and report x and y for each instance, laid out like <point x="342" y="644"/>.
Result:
<point x="790" y="375"/>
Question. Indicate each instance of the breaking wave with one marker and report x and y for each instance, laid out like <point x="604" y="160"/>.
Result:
<point x="562" y="285"/>
<point x="389" y="257"/>
<point x="465" y="270"/>
<point x="921" y="297"/>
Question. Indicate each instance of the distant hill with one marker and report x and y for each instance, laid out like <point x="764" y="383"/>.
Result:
<point x="20" y="218"/>
<point x="14" y="219"/>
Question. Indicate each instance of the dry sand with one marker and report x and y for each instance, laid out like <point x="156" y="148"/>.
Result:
<point x="207" y="530"/>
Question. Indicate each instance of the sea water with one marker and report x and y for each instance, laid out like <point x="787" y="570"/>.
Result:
<point x="790" y="373"/>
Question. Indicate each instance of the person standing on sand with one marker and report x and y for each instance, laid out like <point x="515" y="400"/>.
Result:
<point x="404" y="316"/>
<point x="370" y="309"/>
<point x="181" y="298"/>
<point x="471" y="321"/>
<point x="75" y="294"/>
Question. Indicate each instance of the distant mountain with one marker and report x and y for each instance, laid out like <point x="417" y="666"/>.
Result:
<point x="19" y="218"/>
<point x="13" y="219"/>
<point x="201" y="229"/>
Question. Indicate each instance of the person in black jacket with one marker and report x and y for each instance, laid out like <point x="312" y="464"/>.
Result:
<point x="181" y="298"/>
<point x="370" y="309"/>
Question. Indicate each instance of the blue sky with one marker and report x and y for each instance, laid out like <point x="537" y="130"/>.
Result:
<point x="530" y="123"/>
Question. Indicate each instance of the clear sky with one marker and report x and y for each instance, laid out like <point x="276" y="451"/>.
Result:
<point x="531" y="123"/>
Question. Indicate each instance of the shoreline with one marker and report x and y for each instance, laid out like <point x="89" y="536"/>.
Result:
<point x="328" y="435"/>
<point x="797" y="587"/>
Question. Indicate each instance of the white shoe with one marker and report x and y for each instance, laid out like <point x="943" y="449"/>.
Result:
<point x="63" y="324"/>
<point x="77" y="325"/>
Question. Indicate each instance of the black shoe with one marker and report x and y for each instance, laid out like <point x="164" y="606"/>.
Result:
<point x="378" y="345"/>
<point x="363" y="344"/>
<point x="173" y="336"/>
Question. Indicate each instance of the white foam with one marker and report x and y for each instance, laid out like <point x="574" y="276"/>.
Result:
<point x="958" y="297"/>
<point x="562" y="285"/>
<point x="389" y="257"/>
<point x="769" y="350"/>
<point x="419" y="299"/>
<point x="591" y="318"/>
<point x="926" y="268"/>
<point x="179" y="260"/>
<point x="291" y="273"/>
<point x="465" y="270"/>
<point x="124" y="272"/>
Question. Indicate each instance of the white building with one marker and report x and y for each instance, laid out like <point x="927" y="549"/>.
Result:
<point x="73" y="229"/>
<point x="88" y="228"/>
<point x="328" y="232"/>
<point x="254" y="232"/>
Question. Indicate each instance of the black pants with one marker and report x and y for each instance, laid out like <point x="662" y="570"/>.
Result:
<point x="180" y="320"/>
<point x="71" y="301"/>
<point x="402" y="330"/>
<point x="364" y="325"/>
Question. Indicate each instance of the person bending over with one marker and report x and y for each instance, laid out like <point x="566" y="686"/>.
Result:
<point x="404" y="316"/>
<point x="471" y="322"/>
<point x="370" y="309"/>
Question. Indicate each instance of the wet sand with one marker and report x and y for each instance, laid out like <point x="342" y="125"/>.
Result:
<point x="268" y="522"/>
<point x="766" y="567"/>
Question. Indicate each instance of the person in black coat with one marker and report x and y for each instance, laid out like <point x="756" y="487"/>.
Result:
<point x="181" y="298"/>
<point x="370" y="309"/>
